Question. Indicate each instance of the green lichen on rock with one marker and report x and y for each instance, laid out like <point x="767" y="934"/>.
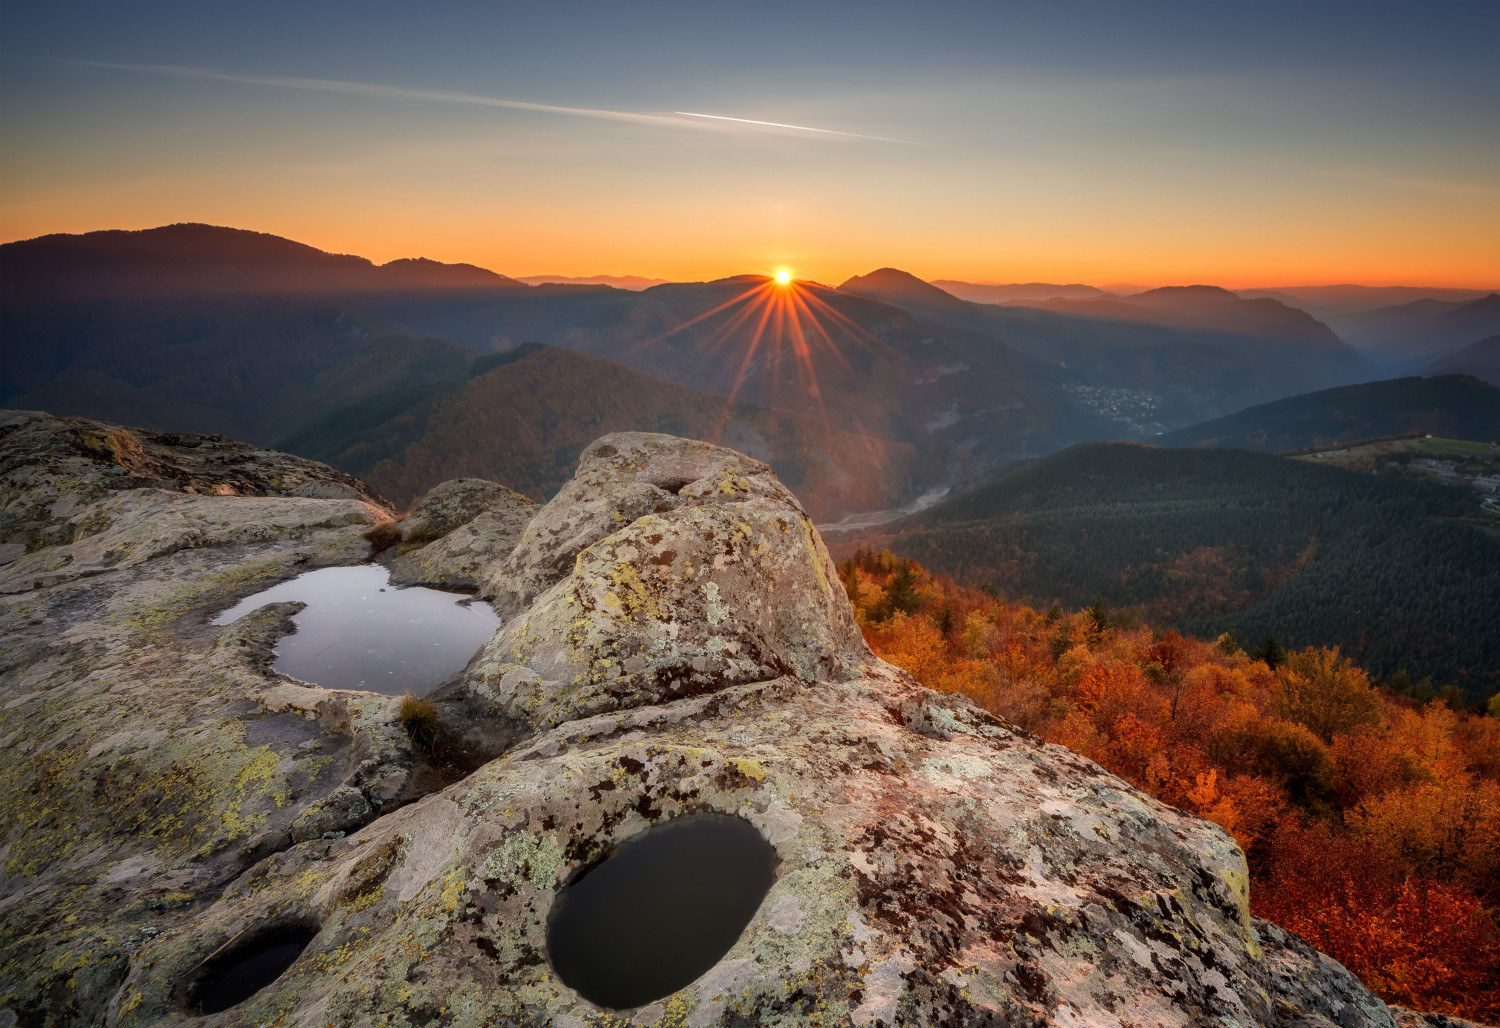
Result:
<point x="678" y="643"/>
<point x="525" y="858"/>
<point x="143" y="762"/>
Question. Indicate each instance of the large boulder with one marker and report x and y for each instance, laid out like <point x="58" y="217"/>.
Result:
<point x="455" y="503"/>
<point x="677" y="642"/>
<point x="620" y="478"/>
<point x="458" y="534"/>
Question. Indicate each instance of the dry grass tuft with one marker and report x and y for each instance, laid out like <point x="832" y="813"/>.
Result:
<point x="420" y="719"/>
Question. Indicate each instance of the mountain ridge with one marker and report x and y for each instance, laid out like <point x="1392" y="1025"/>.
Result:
<point x="521" y="417"/>
<point x="192" y="258"/>
<point x="1455" y="406"/>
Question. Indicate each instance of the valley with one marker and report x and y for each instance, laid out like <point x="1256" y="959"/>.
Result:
<point x="1402" y="575"/>
<point x="198" y="328"/>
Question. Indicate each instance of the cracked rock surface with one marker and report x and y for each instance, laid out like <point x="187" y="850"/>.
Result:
<point x="676" y="642"/>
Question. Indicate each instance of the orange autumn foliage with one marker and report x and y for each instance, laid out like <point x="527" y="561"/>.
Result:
<point x="1372" y="824"/>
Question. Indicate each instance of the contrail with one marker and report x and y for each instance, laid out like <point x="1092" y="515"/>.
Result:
<point x="371" y="89"/>
<point x="387" y="92"/>
<point x="799" y="128"/>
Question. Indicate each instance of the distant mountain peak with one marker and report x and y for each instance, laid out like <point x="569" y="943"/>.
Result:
<point x="1184" y="294"/>
<point x="422" y="271"/>
<point x="900" y="287"/>
<point x="192" y="258"/>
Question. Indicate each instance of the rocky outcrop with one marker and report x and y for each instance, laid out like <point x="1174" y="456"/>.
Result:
<point x="458" y="533"/>
<point x="677" y="643"/>
<point x="79" y="498"/>
<point x="620" y="478"/>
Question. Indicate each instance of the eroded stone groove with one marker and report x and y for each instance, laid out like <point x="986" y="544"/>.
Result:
<point x="676" y="643"/>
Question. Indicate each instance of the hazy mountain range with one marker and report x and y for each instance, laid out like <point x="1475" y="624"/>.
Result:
<point x="1455" y="406"/>
<point x="1481" y="359"/>
<point x="616" y="281"/>
<point x="1411" y="335"/>
<point x="200" y="328"/>
<point x="522" y="416"/>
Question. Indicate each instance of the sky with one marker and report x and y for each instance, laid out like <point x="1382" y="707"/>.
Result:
<point x="1245" y="144"/>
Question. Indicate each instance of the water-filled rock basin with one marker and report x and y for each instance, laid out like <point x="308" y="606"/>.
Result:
<point x="229" y="979"/>
<point x="660" y="910"/>
<point x="360" y="632"/>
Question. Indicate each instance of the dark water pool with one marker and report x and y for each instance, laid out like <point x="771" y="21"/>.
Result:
<point x="240" y="974"/>
<point x="661" y="910"/>
<point x="360" y="632"/>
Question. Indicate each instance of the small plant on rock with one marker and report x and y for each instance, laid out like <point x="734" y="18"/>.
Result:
<point x="420" y="719"/>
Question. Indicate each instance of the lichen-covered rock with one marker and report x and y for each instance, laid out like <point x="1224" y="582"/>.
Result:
<point x="148" y="757"/>
<point x="689" y="601"/>
<point x="458" y="534"/>
<point x="51" y="468"/>
<point x="963" y="875"/>
<point x="451" y="504"/>
<point x="128" y="528"/>
<point x="620" y="478"/>
<point x="680" y="644"/>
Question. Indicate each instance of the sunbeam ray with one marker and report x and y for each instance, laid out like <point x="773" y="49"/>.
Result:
<point x="764" y="286"/>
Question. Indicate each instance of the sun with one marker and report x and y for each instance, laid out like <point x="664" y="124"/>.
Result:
<point x="783" y="277"/>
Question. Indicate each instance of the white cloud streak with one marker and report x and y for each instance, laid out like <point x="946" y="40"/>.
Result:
<point x="675" y="119"/>
<point x="799" y="128"/>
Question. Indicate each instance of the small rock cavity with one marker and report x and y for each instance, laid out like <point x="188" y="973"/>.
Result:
<point x="230" y="979"/>
<point x="359" y="632"/>
<point x="660" y="910"/>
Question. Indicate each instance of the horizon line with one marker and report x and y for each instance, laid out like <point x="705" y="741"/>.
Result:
<point x="667" y="280"/>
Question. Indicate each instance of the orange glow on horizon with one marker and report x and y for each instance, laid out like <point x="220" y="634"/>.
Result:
<point x="700" y="254"/>
<point x="721" y="245"/>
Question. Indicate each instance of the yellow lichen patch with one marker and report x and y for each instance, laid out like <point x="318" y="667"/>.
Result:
<point x="1239" y="886"/>
<point x="452" y="891"/>
<point x="149" y="618"/>
<point x="632" y="594"/>
<point x="254" y="779"/>
<point x="749" y="768"/>
<point x="815" y="556"/>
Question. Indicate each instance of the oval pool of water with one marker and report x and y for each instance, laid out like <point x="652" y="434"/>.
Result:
<point x="660" y="910"/>
<point x="359" y="632"/>
<point x="230" y="979"/>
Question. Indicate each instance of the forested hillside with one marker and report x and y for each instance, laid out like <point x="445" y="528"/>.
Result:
<point x="1454" y="406"/>
<point x="1209" y="541"/>
<point x="522" y="417"/>
<point x="1371" y="822"/>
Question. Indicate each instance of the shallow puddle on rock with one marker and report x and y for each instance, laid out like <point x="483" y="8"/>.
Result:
<point x="660" y="910"/>
<point x="237" y="976"/>
<point x="360" y="632"/>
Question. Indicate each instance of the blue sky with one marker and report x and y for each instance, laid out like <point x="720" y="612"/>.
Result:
<point x="1097" y="141"/>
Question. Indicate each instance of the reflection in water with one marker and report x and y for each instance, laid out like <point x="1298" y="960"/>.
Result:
<point x="358" y="632"/>
<point x="661" y="910"/>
